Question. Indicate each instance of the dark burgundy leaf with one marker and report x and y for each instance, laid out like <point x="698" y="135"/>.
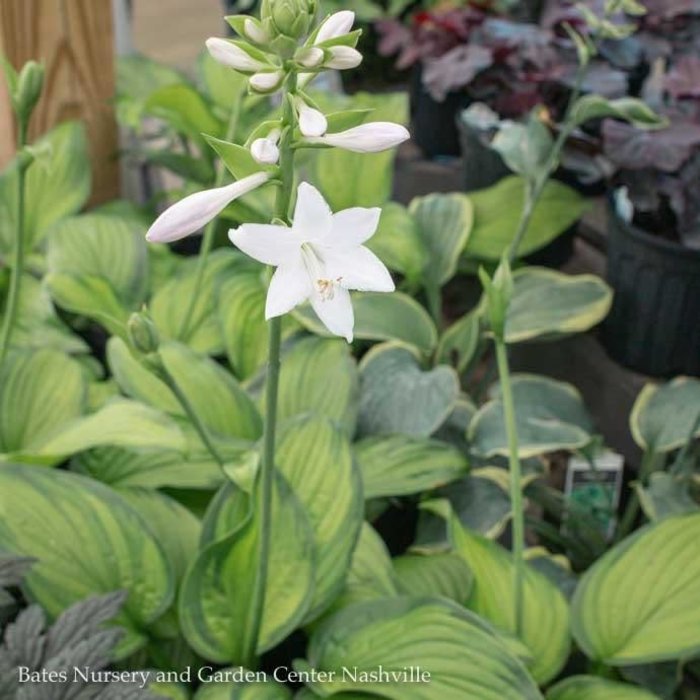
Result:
<point x="455" y="69"/>
<point x="683" y="80"/>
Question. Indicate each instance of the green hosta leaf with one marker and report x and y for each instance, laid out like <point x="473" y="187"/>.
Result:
<point x="176" y="529"/>
<point x="442" y="574"/>
<point x="316" y="460"/>
<point x="495" y="224"/>
<point x="356" y="179"/>
<point x="639" y="603"/>
<point x="232" y="690"/>
<point x="38" y="325"/>
<point x="184" y="110"/>
<point x="383" y="317"/>
<point x="548" y="304"/>
<point x="444" y="223"/>
<point x="397" y="396"/>
<point x="57" y="187"/>
<point x="628" y="108"/>
<point x="40" y="393"/>
<point x="399" y="465"/>
<point x="216" y="601"/>
<point x="524" y="147"/>
<point x="398" y="242"/>
<point x="666" y="416"/>
<point x="664" y="495"/>
<point x="87" y="540"/>
<point x="150" y="469"/>
<point x="463" y="655"/>
<point x="98" y="245"/>
<point x="241" y="312"/>
<point x="460" y="342"/>
<point x="319" y="376"/>
<point x="550" y="416"/>
<point x="170" y="303"/>
<point x="546" y="612"/>
<point x="594" y="688"/>
<point x="89" y="296"/>
<point x="217" y="398"/>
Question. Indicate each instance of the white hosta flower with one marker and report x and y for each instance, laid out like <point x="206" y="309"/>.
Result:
<point x="265" y="150"/>
<point x="266" y="82"/>
<point x="337" y="25"/>
<point x="311" y="121"/>
<point x="233" y="56"/>
<point x="343" y="58"/>
<point x="366" y="138"/>
<point x="318" y="259"/>
<point x="310" y="57"/>
<point x="194" y="212"/>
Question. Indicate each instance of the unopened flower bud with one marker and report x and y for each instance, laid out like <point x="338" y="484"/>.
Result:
<point x="312" y="122"/>
<point x="255" y="32"/>
<point x="338" y="24"/>
<point x="266" y="82"/>
<point x="142" y="332"/>
<point x="343" y="58"/>
<point x="234" y="55"/>
<point x="30" y="83"/>
<point x="310" y="57"/>
<point x="265" y="150"/>
<point x="366" y="138"/>
<point x="289" y="18"/>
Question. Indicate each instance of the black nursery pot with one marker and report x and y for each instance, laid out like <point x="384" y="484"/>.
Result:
<point x="653" y="325"/>
<point x="434" y="123"/>
<point x="482" y="165"/>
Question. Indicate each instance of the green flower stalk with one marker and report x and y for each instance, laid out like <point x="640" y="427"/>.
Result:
<point x="317" y="255"/>
<point x="25" y="91"/>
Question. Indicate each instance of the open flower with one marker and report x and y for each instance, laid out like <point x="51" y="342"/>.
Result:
<point x="318" y="259"/>
<point x="366" y="138"/>
<point x="194" y="212"/>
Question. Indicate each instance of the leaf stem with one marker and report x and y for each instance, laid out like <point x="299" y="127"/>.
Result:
<point x="516" y="493"/>
<point x="13" y="297"/>
<point x="210" y="229"/>
<point x="267" y="467"/>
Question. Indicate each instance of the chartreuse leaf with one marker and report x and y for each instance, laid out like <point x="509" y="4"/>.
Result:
<point x="397" y="396"/>
<point x="316" y="460"/>
<point x="495" y="224"/>
<point x="398" y="242"/>
<point x="58" y="186"/>
<point x="594" y="688"/>
<point x="241" y="313"/>
<point x="383" y="317"/>
<point x="104" y="253"/>
<point x="170" y="303"/>
<point x="547" y="304"/>
<point x="639" y="603"/>
<point x="666" y="416"/>
<point x="87" y="540"/>
<point x="546" y="612"/>
<point x="464" y="657"/>
<point x="319" y="376"/>
<point x="216" y="604"/>
<point x="241" y="690"/>
<point x="443" y="574"/>
<point x="176" y="529"/>
<point x="398" y="465"/>
<point x="550" y="416"/>
<point x="444" y="222"/>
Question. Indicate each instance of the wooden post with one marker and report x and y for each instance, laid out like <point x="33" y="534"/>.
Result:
<point x="73" y="39"/>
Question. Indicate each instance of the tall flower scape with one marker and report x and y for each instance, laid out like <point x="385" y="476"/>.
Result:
<point x="317" y="255"/>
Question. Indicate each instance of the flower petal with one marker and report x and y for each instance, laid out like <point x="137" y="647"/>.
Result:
<point x="271" y="245"/>
<point x="192" y="213"/>
<point x="335" y="312"/>
<point x="352" y="227"/>
<point x="358" y="268"/>
<point x="289" y="287"/>
<point x="312" y="216"/>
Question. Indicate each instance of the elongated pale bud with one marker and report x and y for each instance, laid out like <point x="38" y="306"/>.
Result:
<point x="338" y="24"/>
<point x="255" y="32"/>
<point x="266" y="82"/>
<point x="311" y="121"/>
<point x="192" y="213"/>
<point x="366" y="138"/>
<point x="343" y="58"/>
<point x="233" y="56"/>
<point x="310" y="57"/>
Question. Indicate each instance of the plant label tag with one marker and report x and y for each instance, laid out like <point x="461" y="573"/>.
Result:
<point x="595" y="487"/>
